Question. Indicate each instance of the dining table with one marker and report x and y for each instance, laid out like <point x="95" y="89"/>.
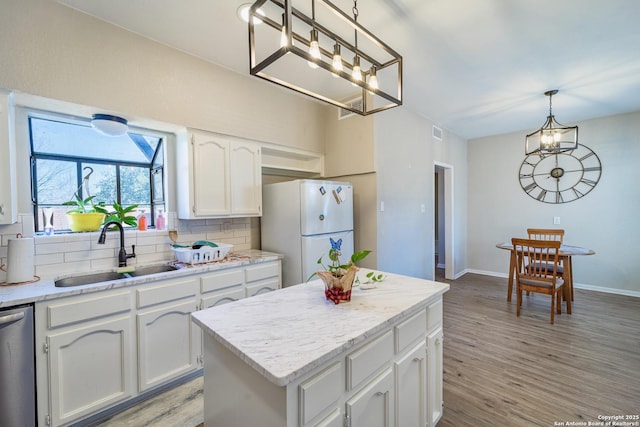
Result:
<point x="565" y="254"/>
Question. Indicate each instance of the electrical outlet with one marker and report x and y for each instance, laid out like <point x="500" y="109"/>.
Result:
<point x="556" y="220"/>
<point x="381" y="206"/>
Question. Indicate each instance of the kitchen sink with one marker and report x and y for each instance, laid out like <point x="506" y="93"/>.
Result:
<point x="153" y="269"/>
<point x="88" y="279"/>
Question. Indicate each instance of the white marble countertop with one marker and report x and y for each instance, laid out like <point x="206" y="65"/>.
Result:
<point x="287" y="333"/>
<point x="44" y="289"/>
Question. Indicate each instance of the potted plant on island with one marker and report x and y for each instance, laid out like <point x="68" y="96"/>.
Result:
<point x="338" y="278"/>
<point x="86" y="214"/>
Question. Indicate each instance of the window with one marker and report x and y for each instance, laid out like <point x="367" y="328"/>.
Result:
<point x="128" y="169"/>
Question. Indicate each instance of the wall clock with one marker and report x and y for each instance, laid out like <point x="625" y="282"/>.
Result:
<point x="560" y="177"/>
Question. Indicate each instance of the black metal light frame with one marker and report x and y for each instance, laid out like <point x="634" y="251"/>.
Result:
<point x="289" y="13"/>
<point x="534" y="141"/>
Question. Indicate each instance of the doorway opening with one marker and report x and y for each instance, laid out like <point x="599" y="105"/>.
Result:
<point x="443" y="244"/>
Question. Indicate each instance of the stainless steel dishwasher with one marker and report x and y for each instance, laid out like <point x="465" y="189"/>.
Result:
<point x="17" y="367"/>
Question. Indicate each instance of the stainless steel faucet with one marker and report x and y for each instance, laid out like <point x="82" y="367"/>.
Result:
<point x="122" y="255"/>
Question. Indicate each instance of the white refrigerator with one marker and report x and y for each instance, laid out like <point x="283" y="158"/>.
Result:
<point x="299" y="217"/>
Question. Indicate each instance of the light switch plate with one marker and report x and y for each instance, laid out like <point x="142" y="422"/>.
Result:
<point x="556" y="220"/>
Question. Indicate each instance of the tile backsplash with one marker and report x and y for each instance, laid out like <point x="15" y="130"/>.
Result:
<point x="67" y="253"/>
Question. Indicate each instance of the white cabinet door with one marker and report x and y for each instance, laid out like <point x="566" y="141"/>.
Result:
<point x="8" y="205"/>
<point x="332" y="420"/>
<point x="262" y="287"/>
<point x="222" y="297"/>
<point x="411" y="388"/>
<point x="210" y="175"/>
<point x="373" y="405"/>
<point x="246" y="179"/>
<point x="167" y="343"/>
<point x="221" y="176"/>
<point x="434" y="377"/>
<point x="89" y="369"/>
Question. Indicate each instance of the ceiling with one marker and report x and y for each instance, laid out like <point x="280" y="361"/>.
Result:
<point x="474" y="67"/>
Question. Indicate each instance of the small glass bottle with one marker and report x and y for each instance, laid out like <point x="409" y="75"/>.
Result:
<point x="160" y="221"/>
<point x="142" y="221"/>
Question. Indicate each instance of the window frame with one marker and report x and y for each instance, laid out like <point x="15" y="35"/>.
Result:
<point x="155" y="203"/>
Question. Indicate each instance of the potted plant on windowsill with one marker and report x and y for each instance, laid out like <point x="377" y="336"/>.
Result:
<point x="86" y="215"/>
<point x="338" y="278"/>
<point x="122" y="215"/>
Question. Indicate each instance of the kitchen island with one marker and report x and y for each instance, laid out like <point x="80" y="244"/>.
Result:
<point x="292" y="358"/>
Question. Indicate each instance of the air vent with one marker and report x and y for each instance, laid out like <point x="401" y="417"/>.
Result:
<point x="356" y="104"/>
<point x="437" y="133"/>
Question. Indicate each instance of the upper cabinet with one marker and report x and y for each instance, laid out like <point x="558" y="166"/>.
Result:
<point x="8" y="204"/>
<point x="218" y="176"/>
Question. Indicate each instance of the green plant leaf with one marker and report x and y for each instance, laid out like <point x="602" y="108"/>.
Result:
<point x="359" y="256"/>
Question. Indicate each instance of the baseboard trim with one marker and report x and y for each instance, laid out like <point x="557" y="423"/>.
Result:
<point x="583" y="286"/>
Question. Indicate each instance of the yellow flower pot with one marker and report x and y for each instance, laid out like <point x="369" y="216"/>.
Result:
<point x="85" y="221"/>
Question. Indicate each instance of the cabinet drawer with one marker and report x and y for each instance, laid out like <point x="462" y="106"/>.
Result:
<point x="262" y="271"/>
<point x="94" y="307"/>
<point x="221" y="280"/>
<point x="222" y="297"/>
<point x="168" y="291"/>
<point x="319" y="392"/>
<point x="411" y="330"/>
<point x="434" y="315"/>
<point x="365" y="361"/>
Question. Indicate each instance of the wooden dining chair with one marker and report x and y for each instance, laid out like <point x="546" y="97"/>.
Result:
<point x="533" y="257"/>
<point x="553" y="234"/>
<point x="546" y="234"/>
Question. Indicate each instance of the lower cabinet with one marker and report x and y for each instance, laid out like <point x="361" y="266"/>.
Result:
<point x="166" y="344"/>
<point x="373" y="406"/>
<point x="411" y="388"/>
<point x="392" y="379"/>
<point x="435" y="402"/>
<point x="87" y="358"/>
<point x="100" y="349"/>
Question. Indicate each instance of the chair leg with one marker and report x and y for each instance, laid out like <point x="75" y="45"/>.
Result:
<point x="518" y="300"/>
<point x="553" y="301"/>
<point x="559" y="302"/>
<point x="568" y="303"/>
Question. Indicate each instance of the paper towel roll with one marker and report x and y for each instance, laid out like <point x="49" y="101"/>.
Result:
<point x="20" y="260"/>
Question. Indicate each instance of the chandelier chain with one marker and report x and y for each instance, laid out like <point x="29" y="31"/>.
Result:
<point x="355" y="10"/>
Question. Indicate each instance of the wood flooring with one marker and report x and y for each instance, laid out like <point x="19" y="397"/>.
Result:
<point x="501" y="370"/>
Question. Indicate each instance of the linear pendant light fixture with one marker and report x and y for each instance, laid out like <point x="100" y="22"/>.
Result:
<point x="552" y="137"/>
<point x="307" y="48"/>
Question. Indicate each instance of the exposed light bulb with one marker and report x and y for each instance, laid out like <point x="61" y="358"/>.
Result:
<point x="284" y="40"/>
<point x="373" y="78"/>
<point x="356" y="72"/>
<point x="314" y="48"/>
<point x="337" y="59"/>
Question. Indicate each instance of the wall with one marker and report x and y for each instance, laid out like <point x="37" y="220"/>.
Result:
<point x="604" y="220"/>
<point x="349" y="144"/>
<point x="405" y="154"/>
<point x="53" y="51"/>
